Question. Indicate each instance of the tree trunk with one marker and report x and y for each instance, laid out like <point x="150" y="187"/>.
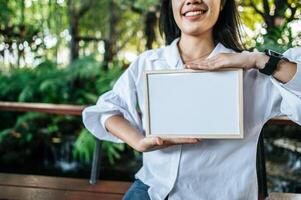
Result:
<point x="111" y="36"/>
<point x="74" y="17"/>
<point x="74" y="43"/>
<point x="270" y="20"/>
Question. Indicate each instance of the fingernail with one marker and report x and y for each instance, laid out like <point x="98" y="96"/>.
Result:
<point x="159" y="141"/>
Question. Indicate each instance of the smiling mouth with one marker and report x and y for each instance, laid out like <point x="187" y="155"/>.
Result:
<point x="194" y="13"/>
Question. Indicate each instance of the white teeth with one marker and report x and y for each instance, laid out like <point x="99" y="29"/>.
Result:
<point x="193" y="13"/>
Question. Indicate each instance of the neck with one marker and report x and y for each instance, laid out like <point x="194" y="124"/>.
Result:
<point x="193" y="48"/>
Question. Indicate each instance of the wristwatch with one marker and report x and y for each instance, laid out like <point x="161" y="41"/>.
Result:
<point x="271" y="65"/>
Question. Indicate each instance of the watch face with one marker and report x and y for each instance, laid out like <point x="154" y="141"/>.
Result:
<point x="274" y="54"/>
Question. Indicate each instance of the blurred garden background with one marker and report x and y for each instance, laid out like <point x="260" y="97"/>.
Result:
<point x="72" y="51"/>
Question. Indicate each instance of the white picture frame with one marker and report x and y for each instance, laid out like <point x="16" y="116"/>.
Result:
<point x="194" y="103"/>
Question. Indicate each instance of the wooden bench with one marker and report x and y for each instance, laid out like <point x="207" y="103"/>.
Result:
<point x="32" y="187"/>
<point x="284" y="196"/>
<point x="29" y="187"/>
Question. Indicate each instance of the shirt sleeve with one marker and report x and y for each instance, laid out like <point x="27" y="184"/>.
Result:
<point x="122" y="99"/>
<point x="290" y="92"/>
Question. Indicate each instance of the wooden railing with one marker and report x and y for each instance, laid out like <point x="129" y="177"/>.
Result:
<point x="76" y="110"/>
<point x="42" y="107"/>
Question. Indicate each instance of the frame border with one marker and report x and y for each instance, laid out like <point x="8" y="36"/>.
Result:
<point x="209" y="136"/>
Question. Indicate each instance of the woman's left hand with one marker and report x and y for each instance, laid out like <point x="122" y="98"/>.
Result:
<point x="245" y="60"/>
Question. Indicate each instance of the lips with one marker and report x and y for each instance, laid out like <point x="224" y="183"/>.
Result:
<point x="194" y="10"/>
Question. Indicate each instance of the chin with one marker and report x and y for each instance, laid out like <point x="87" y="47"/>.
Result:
<point x="194" y="32"/>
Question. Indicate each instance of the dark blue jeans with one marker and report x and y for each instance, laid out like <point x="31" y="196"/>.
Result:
<point x="137" y="191"/>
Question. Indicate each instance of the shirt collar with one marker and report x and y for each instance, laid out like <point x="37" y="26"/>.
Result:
<point x="173" y="58"/>
<point x="172" y="55"/>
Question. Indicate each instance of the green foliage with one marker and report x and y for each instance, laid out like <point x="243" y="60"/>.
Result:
<point x="112" y="150"/>
<point x="26" y="25"/>
<point x="80" y="83"/>
<point x="280" y="40"/>
<point x="18" y="143"/>
<point x="6" y="12"/>
<point x="42" y="29"/>
<point x="278" y="35"/>
<point x="84" y="146"/>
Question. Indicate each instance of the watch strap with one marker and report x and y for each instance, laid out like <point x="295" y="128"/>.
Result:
<point x="271" y="65"/>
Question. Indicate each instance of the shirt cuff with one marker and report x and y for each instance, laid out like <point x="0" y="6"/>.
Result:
<point x="294" y="85"/>
<point x="107" y="115"/>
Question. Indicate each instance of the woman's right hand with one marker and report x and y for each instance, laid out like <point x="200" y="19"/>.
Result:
<point x="122" y="129"/>
<point x="147" y="144"/>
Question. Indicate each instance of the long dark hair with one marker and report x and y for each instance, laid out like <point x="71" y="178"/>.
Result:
<point x="226" y="30"/>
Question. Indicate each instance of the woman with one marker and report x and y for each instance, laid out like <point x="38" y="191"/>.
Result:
<point x="201" y="35"/>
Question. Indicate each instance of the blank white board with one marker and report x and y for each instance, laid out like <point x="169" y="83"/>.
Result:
<point x="194" y="103"/>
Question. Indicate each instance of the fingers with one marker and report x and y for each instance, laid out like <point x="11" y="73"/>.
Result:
<point x="163" y="141"/>
<point x="209" y="65"/>
<point x="222" y="60"/>
<point x="180" y="140"/>
<point x="157" y="141"/>
<point x="151" y="143"/>
<point x="154" y="143"/>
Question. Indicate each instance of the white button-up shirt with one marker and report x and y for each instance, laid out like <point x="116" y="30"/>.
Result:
<point x="212" y="169"/>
